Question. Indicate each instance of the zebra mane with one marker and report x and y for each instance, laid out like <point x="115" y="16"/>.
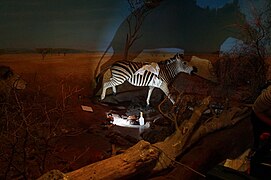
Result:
<point x="169" y="61"/>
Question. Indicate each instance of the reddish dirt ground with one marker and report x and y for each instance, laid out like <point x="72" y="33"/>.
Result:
<point x="67" y="81"/>
<point x="67" y="76"/>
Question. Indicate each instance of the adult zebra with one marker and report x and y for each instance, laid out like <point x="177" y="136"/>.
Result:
<point x="128" y="71"/>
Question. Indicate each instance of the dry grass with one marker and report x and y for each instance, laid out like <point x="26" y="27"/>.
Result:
<point x="45" y="111"/>
<point x="76" y="68"/>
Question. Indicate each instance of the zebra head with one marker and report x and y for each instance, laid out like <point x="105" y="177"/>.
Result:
<point x="182" y="65"/>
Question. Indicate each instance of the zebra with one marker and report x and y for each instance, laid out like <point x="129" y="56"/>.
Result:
<point x="122" y="71"/>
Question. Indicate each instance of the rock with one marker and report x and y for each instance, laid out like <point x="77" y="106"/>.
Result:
<point x="53" y="174"/>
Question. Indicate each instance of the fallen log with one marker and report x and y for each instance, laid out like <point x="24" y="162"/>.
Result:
<point x="145" y="158"/>
<point x="226" y="119"/>
<point x="139" y="159"/>
<point x="228" y="143"/>
<point x="173" y="145"/>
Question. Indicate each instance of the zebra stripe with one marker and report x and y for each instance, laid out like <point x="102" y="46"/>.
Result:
<point x="125" y="71"/>
<point x="141" y="80"/>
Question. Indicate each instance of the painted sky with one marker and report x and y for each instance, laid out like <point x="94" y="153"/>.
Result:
<point x="59" y="23"/>
<point x="80" y="24"/>
<point x="213" y="4"/>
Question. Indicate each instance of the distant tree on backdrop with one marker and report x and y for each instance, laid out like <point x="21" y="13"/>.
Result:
<point x="43" y="51"/>
<point x="139" y="10"/>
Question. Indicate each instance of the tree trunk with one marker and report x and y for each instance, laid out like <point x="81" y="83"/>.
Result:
<point x="139" y="159"/>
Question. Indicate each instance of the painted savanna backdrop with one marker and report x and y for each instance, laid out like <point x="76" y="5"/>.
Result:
<point x="59" y="47"/>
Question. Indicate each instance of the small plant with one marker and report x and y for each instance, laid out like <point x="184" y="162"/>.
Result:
<point x="247" y="65"/>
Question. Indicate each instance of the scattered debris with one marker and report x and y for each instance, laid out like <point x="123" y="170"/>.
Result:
<point x="124" y="121"/>
<point x="87" y="108"/>
<point x="241" y="163"/>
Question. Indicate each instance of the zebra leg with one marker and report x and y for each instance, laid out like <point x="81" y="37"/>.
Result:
<point x="105" y="86"/>
<point x="114" y="90"/>
<point x="151" y="88"/>
<point x="164" y="88"/>
<point x="112" y="83"/>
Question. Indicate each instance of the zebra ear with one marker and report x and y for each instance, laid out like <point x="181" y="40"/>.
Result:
<point x="179" y="56"/>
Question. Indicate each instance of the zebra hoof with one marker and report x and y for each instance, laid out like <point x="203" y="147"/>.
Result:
<point x="148" y="106"/>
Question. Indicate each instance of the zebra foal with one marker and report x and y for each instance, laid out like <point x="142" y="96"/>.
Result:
<point x="129" y="71"/>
